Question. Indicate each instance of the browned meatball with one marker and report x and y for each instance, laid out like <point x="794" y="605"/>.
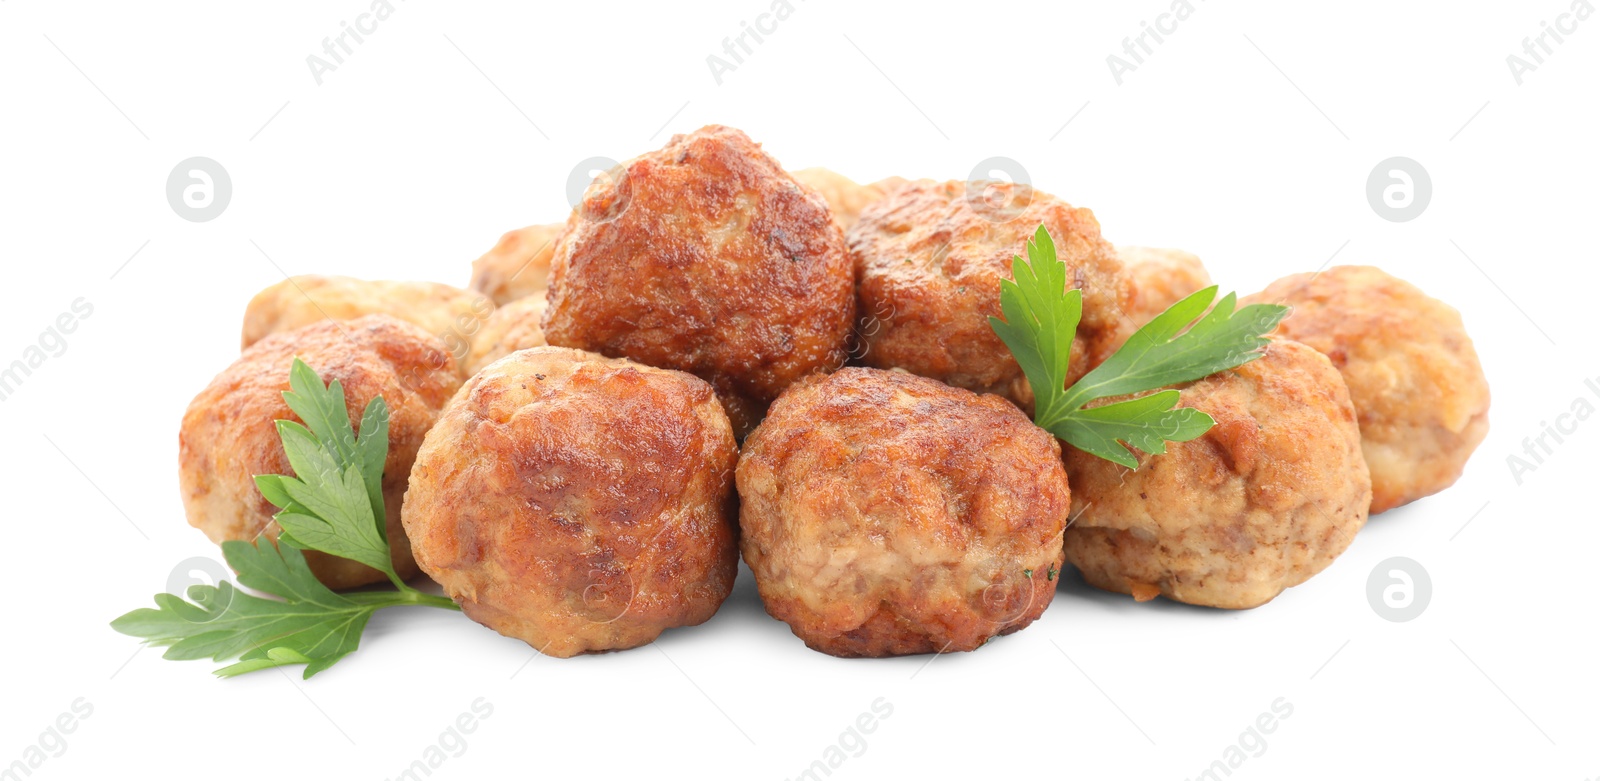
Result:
<point x="512" y="327"/>
<point x="576" y="502"/>
<point x="929" y="259"/>
<point x="707" y="257"/>
<point x="1419" y="391"/>
<point x="312" y="298"/>
<point x="1161" y="278"/>
<point x="518" y="265"/>
<point x="888" y="514"/>
<point x="229" y="435"/>
<point x="1264" y="500"/>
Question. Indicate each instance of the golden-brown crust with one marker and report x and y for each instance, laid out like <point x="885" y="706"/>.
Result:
<point x="1264" y="500"/>
<point x="1161" y="278"/>
<point x="518" y="265"/>
<point x="512" y="327"/>
<point x="705" y="256"/>
<point x="929" y="260"/>
<point x="884" y="514"/>
<point x="449" y="313"/>
<point x="1419" y="391"/>
<point x="229" y="433"/>
<point x="576" y="502"/>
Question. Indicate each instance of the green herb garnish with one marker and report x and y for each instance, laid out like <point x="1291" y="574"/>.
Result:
<point x="1182" y="344"/>
<point x="333" y="505"/>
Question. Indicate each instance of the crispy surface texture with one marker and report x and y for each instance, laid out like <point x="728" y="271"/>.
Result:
<point x="1161" y="278"/>
<point x="449" y="313"/>
<point x="512" y="327"/>
<point x="578" y="503"/>
<point x="929" y="260"/>
<point x="845" y="198"/>
<point x="1418" y="388"/>
<point x="1264" y="500"/>
<point x="705" y="256"/>
<point x="518" y="265"/>
<point x="229" y="433"/>
<point x="887" y="514"/>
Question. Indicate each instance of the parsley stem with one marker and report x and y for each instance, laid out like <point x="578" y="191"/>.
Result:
<point x="404" y="597"/>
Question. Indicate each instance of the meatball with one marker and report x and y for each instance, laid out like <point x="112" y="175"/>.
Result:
<point x="706" y="257"/>
<point x="449" y="313"/>
<point x="1419" y="391"/>
<point x="887" y="514"/>
<point x="518" y="265"/>
<point x="1161" y="278"/>
<point x="576" y="502"/>
<point x="512" y="327"/>
<point x="229" y="433"/>
<point x="845" y="198"/>
<point x="929" y="259"/>
<point x="1261" y="502"/>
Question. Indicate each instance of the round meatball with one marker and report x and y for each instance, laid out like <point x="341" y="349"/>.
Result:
<point x="229" y="433"/>
<point x="1419" y="391"/>
<point x="845" y="198"/>
<point x="512" y="327"/>
<point x="1161" y="278"/>
<point x="1261" y="502"/>
<point x="518" y="265"/>
<point x="449" y="313"/>
<point x="887" y="514"/>
<point x="576" y="502"/>
<point x="929" y="259"/>
<point x="706" y="257"/>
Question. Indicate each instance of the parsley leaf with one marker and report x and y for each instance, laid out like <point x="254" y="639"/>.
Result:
<point x="334" y="504"/>
<point x="1182" y="344"/>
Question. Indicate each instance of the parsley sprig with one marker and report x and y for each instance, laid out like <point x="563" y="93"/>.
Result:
<point x="333" y="504"/>
<point x="1182" y="344"/>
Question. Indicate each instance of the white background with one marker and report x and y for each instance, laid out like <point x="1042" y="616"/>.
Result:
<point x="1247" y="137"/>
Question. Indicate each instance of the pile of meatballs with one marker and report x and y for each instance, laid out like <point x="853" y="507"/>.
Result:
<point x="714" y="356"/>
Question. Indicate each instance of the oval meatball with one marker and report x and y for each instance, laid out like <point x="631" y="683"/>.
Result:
<point x="706" y="257"/>
<point x="886" y="514"/>
<point x="929" y="259"/>
<point x="451" y="314"/>
<point x="518" y="265"/>
<point x="1161" y="278"/>
<point x="576" y="502"/>
<point x="229" y="433"/>
<point x="1418" y="388"/>
<point x="845" y="198"/>
<point x="1261" y="502"/>
<point x="512" y="327"/>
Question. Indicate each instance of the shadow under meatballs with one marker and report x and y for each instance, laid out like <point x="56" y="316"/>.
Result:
<point x="1073" y="592"/>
